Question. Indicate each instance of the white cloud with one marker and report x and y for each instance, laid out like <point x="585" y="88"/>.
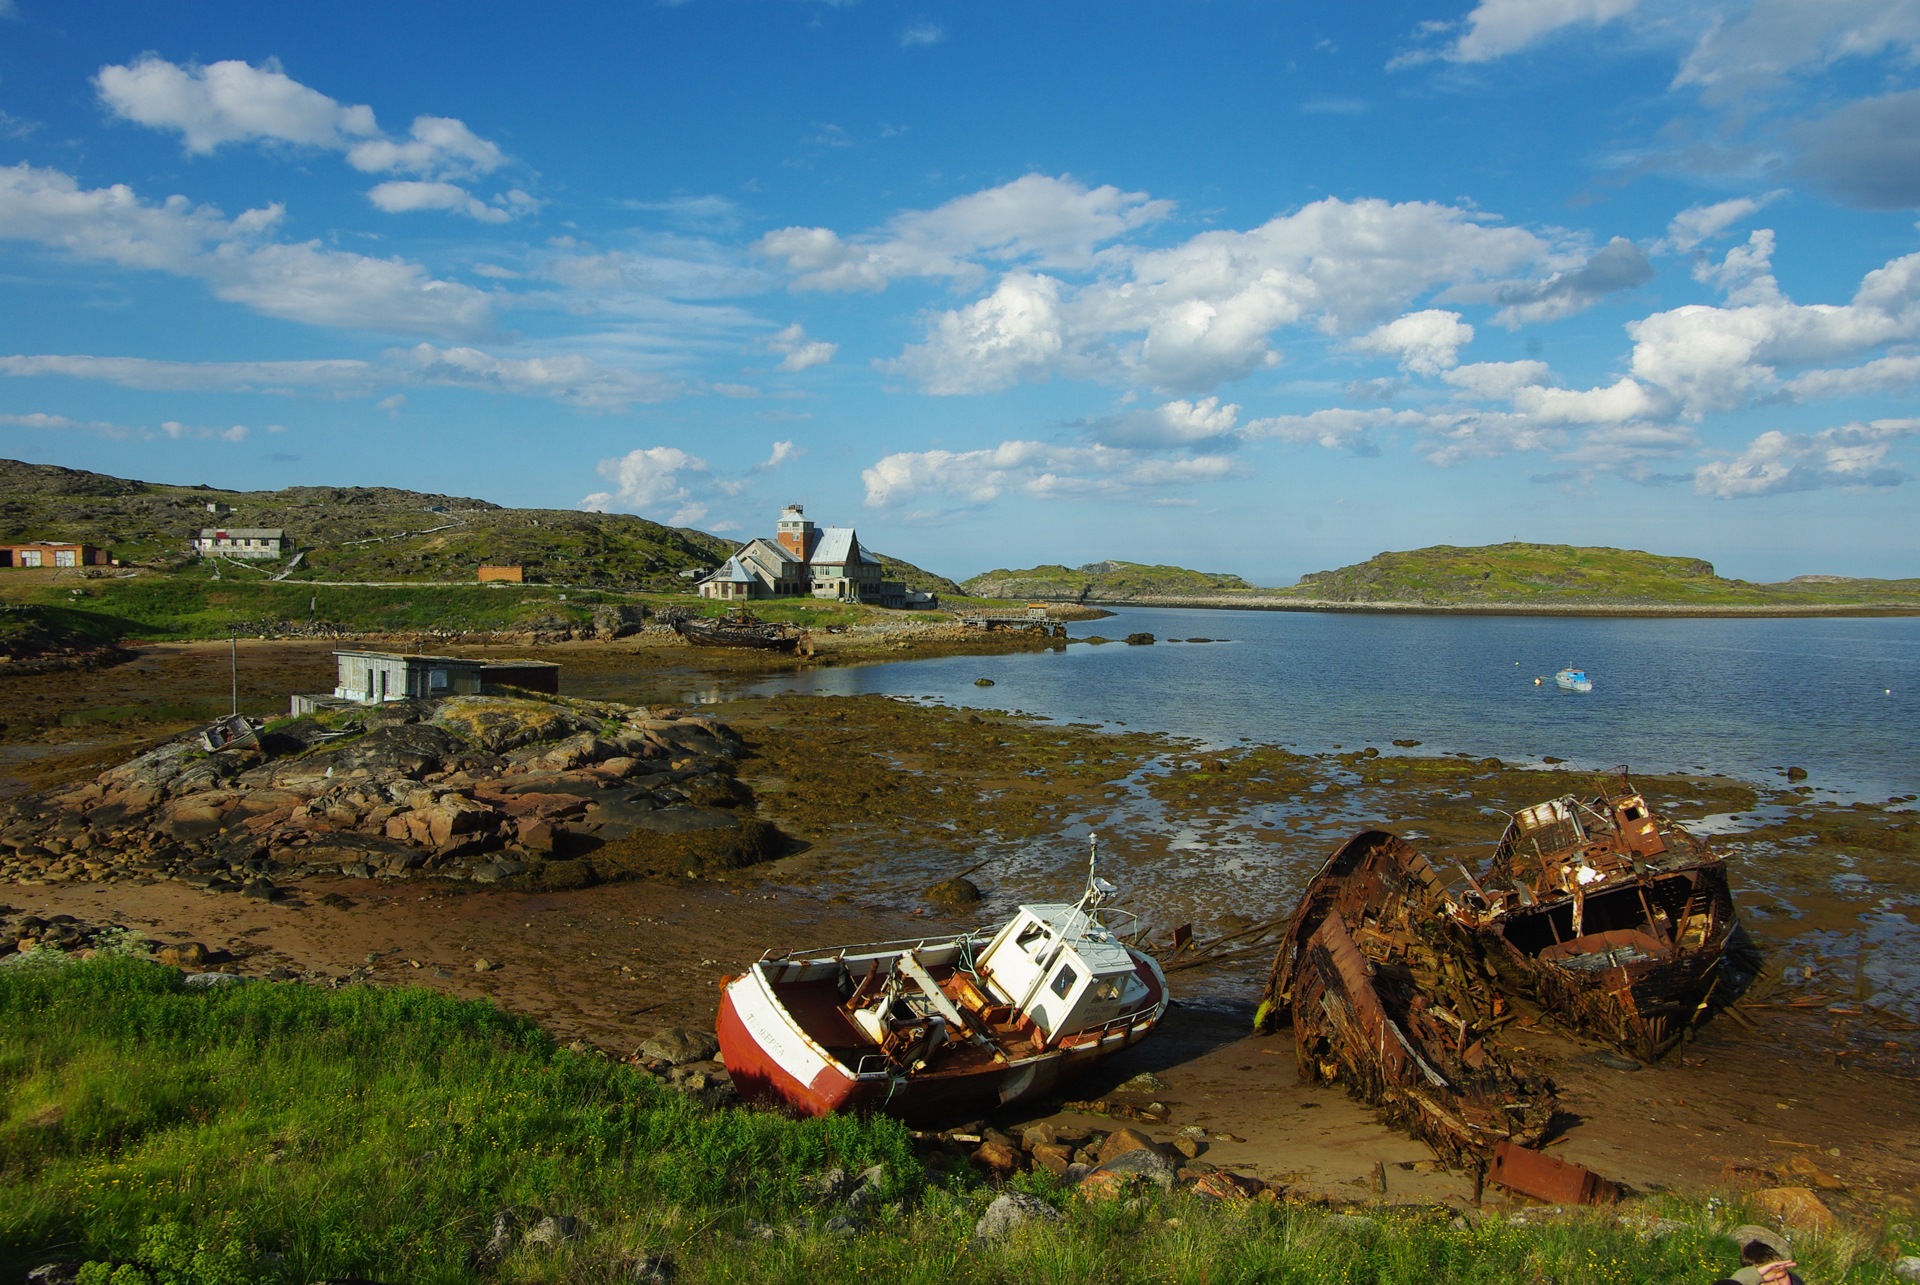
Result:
<point x="1853" y="456"/>
<point x="1338" y="428"/>
<point x="1700" y="223"/>
<point x="1887" y="374"/>
<point x="229" y="102"/>
<point x="1177" y="423"/>
<point x="564" y="377"/>
<point x="784" y="452"/>
<point x="437" y="146"/>
<point x="1497" y="379"/>
<point x="1720" y="358"/>
<point x="1037" y="220"/>
<point x="1497" y="28"/>
<point x="178" y="432"/>
<point x="1424" y="343"/>
<point x="1867" y="152"/>
<point x="1621" y="402"/>
<point x="298" y="282"/>
<point x="798" y="351"/>
<point x="41" y="422"/>
<point x="648" y="481"/>
<point x="346" y="376"/>
<point x="1014" y="333"/>
<point x="402" y="196"/>
<point x="1035" y="470"/>
<point x="1765" y="42"/>
<point x="923" y="34"/>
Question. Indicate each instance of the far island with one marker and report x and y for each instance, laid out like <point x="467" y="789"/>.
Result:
<point x="1548" y="579"/>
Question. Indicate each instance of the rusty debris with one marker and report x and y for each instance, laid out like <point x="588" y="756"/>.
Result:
<point x="1610" y="918"/>
<point x="1382" y="999"/>
<point x="1549" y="1178"/>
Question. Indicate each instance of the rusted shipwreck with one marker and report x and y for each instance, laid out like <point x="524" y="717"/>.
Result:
<point x="1382" y="999"/>
<point x="1612" y="919"/>
<point x="738" y="628"/>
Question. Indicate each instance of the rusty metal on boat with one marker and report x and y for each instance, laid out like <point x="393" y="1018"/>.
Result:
<point x="1383" y="999"/>
<point x="1615" y="920"/>
<point x="738" y="628"/>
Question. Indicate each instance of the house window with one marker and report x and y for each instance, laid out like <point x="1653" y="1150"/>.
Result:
<point x="29" y="557"/>
<point x="63" y="558"/>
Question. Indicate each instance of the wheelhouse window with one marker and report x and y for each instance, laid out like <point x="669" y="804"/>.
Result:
<point x="1063" y="981"/>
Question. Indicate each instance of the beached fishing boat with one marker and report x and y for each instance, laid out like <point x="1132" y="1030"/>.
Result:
<point x="1611" y="916"/>
<point x="231" y="732"/>
<point x="738" y="628"/>
<point x="1573" y="680"/>
<point x="1368" y="976"/>
<point x="942" y="1026"/>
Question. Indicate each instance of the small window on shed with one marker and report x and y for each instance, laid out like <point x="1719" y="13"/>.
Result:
<point x="1063" y="981"/>
<point x="436" y="679"/>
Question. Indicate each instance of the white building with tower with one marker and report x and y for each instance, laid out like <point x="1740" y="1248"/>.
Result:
<point x="803" y="560"/>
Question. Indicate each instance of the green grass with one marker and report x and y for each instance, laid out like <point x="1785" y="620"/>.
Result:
<point x="279" y="1132"/>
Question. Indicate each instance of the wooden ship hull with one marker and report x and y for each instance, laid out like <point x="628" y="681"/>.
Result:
<point x="1370" y="976"/>
<point x="818" y="1033"/>
<point x="756" y="635"/>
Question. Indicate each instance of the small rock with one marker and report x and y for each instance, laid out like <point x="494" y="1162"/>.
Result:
<point x="983" y="682"/>
<point x="484" y="965"/>
<point x="1221" y="1185"/>
<point x="1140" y="640"/>
<point x="953" y="892"/>
<point x="678" y="1045"/>
<point x="63" y="1272"/>
<point x="1796" y="774"/>
<point x="552" y="1231"/>
<point x="1054" y="1157"/>
<point x="207" y="981"/>
<point x="1145" y="1082"/>
<point x="998" y="1158"/>
<point x="1011" y="1211"/>
<point x="1907" y="1267"/>
<point x="1121" y="1141"/>
<point x="1146" y="1163"/>
<point x="842" y="1225"/>
<point x="1189" y="1146"/>
<point x="654" y="1269"/>
<point x="1796" y="1207"/>
<point x="1046" y="1132"/>
<point x="501" y="1238"/>
<point x="1104" y="1184"/>
<point x="185" y="954"/>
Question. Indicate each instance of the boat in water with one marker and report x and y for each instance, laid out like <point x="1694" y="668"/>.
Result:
<point x="1573" y="680"/>
<point x="1612" y="917"/>
<point x="940" y="1026"/>
<point x="1369" y="977"/>
<point x="738" y="628"/>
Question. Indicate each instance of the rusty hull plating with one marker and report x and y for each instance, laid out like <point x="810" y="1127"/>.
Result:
<point x="1614" y="919"/>
<point x="1383" y="999"/>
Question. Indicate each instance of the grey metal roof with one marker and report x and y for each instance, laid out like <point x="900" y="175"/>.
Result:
<point x="732" y="571"/>
<point x="242" y="532"/>
<point x="840" y="544"/>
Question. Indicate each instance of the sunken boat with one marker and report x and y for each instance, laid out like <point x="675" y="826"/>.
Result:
<point x="1611" y="917"/>
<point x="738" y="628"/>
<point x="1379" y="986"/>
<point x="940" y="1027"/>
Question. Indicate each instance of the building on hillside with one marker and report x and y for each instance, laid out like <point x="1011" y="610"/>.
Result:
<point x="51" y="553"/>
<point x="241" y="541"/>
<point x="803" y="560"/>
<point x="502" y="575"/>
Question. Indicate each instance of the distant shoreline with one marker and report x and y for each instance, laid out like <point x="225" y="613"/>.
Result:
<point x="1730" y="610"/>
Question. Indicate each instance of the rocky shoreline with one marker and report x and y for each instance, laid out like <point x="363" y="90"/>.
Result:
<point x="535" y="792"/>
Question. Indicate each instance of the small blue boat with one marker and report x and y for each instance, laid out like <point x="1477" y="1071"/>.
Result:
<point x="1574" y="680"/>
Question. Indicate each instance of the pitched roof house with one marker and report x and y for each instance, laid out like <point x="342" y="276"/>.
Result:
<point x="800" y="560"/>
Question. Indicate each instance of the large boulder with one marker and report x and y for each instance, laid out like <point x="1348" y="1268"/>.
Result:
<point x="401" y="749"/>
<point x="679" y="1045"/>
<point x="501" y="723"/>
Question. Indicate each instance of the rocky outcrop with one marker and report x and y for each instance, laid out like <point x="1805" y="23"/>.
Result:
<point x="534" y="793"/>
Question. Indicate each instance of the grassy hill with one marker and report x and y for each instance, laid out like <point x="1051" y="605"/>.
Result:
<point x="354" y="533"/>
<point x="1101" y="582"/>
<point x="1546" y="574"/>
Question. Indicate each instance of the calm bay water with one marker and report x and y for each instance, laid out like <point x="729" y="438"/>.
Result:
<point x="1745" y="698"/>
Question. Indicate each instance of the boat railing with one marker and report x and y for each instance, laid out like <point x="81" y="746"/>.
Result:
<point x="865" y="949"/>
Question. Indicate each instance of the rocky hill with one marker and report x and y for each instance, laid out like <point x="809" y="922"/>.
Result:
<point x="1102" y="582"/>
<point x="351" y="533"/>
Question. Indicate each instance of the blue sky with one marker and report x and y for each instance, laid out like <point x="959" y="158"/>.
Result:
<point x="1240" y="286"/>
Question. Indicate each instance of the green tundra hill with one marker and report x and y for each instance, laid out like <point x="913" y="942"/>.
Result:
<point x="1101" y="582"/>
<point x="1521" y="573"/>
<point x="356" y="533"/>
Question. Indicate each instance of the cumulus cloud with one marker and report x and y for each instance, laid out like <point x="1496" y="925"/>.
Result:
<point x="1338" y="428"/>
<point x="435" y="145"/>
<point x="1699" y="223"/>
<point x="230" y="102"/>
<point x="1497" y="379"/>
<point x="303" y="282"/>
<point x="1866" y="153"/>
<point x="1853" y="457"/>
<point x="798" y="351"/>
<point x="1618" y="265"/>
<point x="1034" y="470"/>
<point x="1424" y="343"/>
<point x="1175" y="424"/>
<point x="651" y="481"/>
<point x="922" y="34"/>
<point x="1014" y="333"/>
<point x="783" y="452"/>
<point x="1038" y="220"/>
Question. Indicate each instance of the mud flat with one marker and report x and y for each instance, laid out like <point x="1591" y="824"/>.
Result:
<point x="1809" y="1081"/>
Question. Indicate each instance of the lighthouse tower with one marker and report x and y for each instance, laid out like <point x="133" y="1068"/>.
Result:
<point x="795" y="533"/>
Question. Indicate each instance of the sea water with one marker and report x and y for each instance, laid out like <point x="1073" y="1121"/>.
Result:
<point x="1746" y="698"/>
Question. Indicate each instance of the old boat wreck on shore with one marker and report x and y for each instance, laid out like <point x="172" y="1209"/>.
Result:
<point x="738" y="628"/>
<point x="940" y="1026"/>
<point x="1613" y="920"/>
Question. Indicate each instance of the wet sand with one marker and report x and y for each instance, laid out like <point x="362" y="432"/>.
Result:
<point x="889" y="798"/>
